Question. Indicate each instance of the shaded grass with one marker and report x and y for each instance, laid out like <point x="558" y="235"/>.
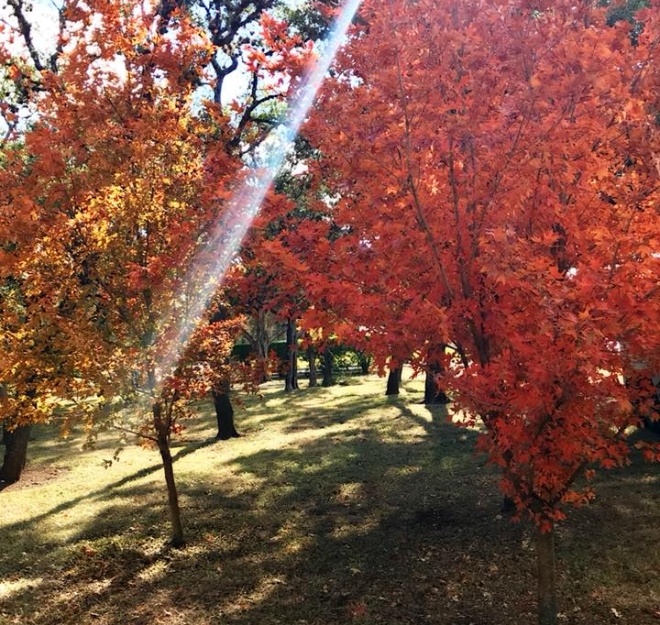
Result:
<point x="337" y="506"/>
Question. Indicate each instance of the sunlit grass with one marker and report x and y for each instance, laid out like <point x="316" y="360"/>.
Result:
<point x="336" y="506"/>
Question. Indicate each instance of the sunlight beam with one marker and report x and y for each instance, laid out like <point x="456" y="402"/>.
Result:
<point x="230" y="230"/>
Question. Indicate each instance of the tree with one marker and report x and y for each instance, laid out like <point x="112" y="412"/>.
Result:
<point x="207" y="367"/>
<point x="311" y="363"/>
<point x="120" y="183"/>
<point x="110" y="198"/>
<point x="433" y="393"/>
<point x="291" y="376"/>
<point x="18" y="79"/>
<point x="267" y="283"/>
<point x="107" y="161"/>
<point x="492" y="164"/>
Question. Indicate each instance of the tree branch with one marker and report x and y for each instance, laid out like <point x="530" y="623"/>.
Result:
<point x="421" y="219"/>
<point x="138" y="434"/>
<point x="25" y="29"/>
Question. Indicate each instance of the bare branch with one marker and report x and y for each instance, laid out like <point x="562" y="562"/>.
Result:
<point x="52" y="61"/>
<point x="138" y="434"/>
<point x="221" y="73"/>
<point x="25" y="29"/>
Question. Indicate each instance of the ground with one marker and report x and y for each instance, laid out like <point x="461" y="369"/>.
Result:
<point x="337" y="506"/>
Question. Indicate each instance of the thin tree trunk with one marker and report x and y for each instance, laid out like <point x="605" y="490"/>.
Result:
<point x="393" y="381"/>
<point x="294" y="372"/>
<point x="291" y="379"/>
<point x="260" y="341"/>
<point x="263" y="342"/>
<point x="545" y="557"/>
<point x="162" y="437"/>
<point x="365" y="362"/>
<point x="508" y="505"/>
<point x="432" y="394"/>
<point x="224" y="413"/>
<point x="3" y="398"/>
<point x="328" y="362"/>
<point x="311" y="360"/>
<point x="16" y="443"/>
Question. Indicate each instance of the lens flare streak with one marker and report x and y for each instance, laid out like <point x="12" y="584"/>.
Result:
<point x="230" y="230"/>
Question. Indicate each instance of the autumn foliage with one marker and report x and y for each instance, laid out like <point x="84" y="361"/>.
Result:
<point x="111" y="192"/>
<point x="115" y="175"/>
<point x="482" y="199"/>
<point x="492" y="170"/>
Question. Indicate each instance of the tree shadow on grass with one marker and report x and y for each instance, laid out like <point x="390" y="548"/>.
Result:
<point x="358" y="527"/>
<point x="366" y="525"/>
<point x="322" y="418"/>
<point x="324" y="402"/>
<point x="106" y="493"/>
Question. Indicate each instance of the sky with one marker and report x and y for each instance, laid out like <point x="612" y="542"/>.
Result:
<point x="44" y="19"/>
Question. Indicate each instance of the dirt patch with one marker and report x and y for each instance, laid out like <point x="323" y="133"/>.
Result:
<point x="36" y="476"/>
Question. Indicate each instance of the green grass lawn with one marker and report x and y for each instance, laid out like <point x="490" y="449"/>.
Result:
<point x="336" y="506"/>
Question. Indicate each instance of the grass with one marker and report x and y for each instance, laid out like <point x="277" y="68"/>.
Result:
<point x="336" y="506"/>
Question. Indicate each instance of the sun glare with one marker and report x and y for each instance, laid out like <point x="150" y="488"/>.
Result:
<point x="230" y="230"/>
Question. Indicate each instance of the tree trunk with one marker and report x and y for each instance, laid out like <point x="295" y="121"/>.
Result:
<point x="393" y="381"/>
<point x="263" y="340"/>
<point x="432" y="394"/>
<point x="311" y="360"/>
<point x="545" y="557"/>
<point x="328" y="362"/>
<point x="291" y="379"/>
<point x="508" y="505"/>
<point x="162" y="437"/>
<point x="16" y="443"/>
<point x="3" y="397"/>
<point x="365" y="362"/>
<point x="260" y="341"/>
<point x="224" y="414"/>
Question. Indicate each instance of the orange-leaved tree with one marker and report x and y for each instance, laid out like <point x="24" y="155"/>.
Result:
<point x="494" y="166"/>
<point x="107" y="195"/>
<point x="111" y="195"/>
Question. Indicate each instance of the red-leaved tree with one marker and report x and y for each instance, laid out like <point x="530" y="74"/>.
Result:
<point x="493" y="166"/>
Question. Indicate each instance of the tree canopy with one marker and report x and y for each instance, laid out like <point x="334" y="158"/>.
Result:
<point x="478" y="193"/>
